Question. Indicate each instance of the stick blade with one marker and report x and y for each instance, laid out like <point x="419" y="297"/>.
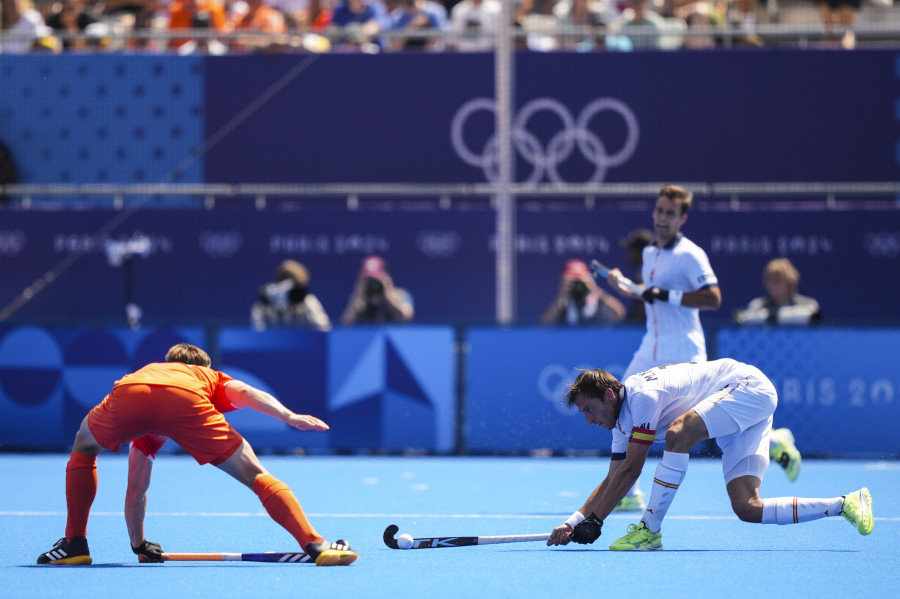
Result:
<point x="388" y="536"/>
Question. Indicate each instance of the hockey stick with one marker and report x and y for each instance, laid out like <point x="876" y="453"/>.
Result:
<point x="437" y="542"/>
<point x="600" y="270"/>
<point x="268" y="556"/>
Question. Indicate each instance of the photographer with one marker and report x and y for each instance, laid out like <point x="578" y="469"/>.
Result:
<point x="288" y="302"/>
<point x="375" y="299"/>
<point x="580" y="302"/>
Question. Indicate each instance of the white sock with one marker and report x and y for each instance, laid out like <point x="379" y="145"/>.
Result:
<point x="669" y="474"/>
<point x="793" y="510"/>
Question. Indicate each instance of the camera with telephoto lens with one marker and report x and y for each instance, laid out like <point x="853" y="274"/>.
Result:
<point x="282" y="293"/>
<point x="578" y="289"/>
<point x="374" y="287"/>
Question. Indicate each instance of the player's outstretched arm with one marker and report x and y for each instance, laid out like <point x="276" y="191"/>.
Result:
<point x="139" y="469"/>
<point x="242" y="395"/>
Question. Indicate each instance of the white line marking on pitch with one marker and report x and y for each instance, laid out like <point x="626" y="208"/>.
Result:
<point x="387" y="516"/>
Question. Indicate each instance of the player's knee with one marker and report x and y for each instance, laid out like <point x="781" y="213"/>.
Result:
<point x="748" y="511"/>
<point x="675" y="437"/>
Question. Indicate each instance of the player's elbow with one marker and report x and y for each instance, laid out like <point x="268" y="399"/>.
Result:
<point x="711" y="298"/>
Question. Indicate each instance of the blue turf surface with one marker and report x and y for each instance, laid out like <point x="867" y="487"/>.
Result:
<point x="193" y="509"/>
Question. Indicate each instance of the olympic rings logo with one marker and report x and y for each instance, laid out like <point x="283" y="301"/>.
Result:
<point x="546" y="160"/>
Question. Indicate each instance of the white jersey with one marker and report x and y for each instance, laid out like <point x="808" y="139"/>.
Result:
<point x="674" y="333"/>
<point x="656" y="397"/>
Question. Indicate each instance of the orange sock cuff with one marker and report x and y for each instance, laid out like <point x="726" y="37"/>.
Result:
<point x="267" y="485"/>
<point x="81" y="460"/>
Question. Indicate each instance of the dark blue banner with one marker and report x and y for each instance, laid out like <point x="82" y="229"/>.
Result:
<point x="429" y="118"/>
<point x="593" y="117"/>
<point x="208" y="268"/>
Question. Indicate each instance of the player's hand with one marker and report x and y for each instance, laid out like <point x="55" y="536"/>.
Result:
<point x="588" y="530"/>
<point x="655" y="293"/>
<point x="148" y="553"/>
<point x="560" y="535"/>
<point x="305" y="422"/>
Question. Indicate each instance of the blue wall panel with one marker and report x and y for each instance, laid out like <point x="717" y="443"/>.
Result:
<point x="517" y="379"/>
<point x="103" y="118"/>
<point x="837" y="388"/>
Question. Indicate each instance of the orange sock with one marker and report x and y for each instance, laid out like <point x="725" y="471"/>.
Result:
<point x="81" y="488"/>
<point x="282" y="505"/>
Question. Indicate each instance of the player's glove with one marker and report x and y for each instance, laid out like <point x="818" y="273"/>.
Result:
<point x="148" y="553"/>
<point x="655" y="293"/>
<point x="587" y="531"/>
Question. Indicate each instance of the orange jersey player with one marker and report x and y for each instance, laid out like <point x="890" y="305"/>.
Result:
<point x="184" y="399"/>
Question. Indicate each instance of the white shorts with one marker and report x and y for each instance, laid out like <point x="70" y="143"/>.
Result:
<point x="739" y="418"/>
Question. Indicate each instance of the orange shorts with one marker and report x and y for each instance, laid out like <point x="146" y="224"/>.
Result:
<point x="134" y="410"/>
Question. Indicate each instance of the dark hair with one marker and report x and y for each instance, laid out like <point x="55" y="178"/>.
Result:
<point x="592" y="383"/>
<point x="679" y="194"/>
<point x="188" y="354"/>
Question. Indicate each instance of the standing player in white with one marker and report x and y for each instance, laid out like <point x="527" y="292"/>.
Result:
<point x="678" y="282"/>
<point x="685" y="404"/>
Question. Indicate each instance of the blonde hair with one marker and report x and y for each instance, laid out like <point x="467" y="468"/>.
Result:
<point x="291" y="269"/>
<point x="782" y="267"/>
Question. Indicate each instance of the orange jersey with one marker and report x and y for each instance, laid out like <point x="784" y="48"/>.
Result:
<point x="264" y="18"/>
<point x="176" y="400"/>
<point x="182" y="13"/>
<point x="203" y="381"/>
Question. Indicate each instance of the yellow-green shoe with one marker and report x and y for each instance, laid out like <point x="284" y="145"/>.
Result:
<point x="338" y="553"/>
<point x="785" y="453"/>
<point x="638" y="539"/>
<point x="631" y="503"/>
<point x="857" y="510"/>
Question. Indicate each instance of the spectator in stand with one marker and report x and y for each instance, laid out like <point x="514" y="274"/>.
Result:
<point x="781" y="305"/>
<point x="21" y="25"/>
<point x="295" y="13"/>
<point x="640" y="27"/>
<point x="375" y="299"/>
<point x="418" y="16"/>
<point x="746" y="21"/>
<point x="134" y="14"/>
<point x="359" y="24"/>
<point x="68" y="18"/>
<point x="590" y="17"/>
<point x="705" y="14"/>
<point x="579" y="301"/>
<point x="320" y="13"/>
<point x="196" y="14"/>
<point x="839" y="14"/>
<point x="258" y="17"/>
<point x="288" y="301"/>
<point x="473" y="23"/>
<point x="536" y="19"/>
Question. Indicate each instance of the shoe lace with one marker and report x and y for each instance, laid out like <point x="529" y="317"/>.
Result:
<point x="59" y="543"/>
<point x="633" y="531"/>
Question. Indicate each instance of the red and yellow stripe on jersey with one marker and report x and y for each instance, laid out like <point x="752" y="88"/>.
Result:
<point x="642" y="435"/>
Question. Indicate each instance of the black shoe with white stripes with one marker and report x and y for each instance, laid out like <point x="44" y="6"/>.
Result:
<point x="65" y="553"/>
<point x="331" y="554"/>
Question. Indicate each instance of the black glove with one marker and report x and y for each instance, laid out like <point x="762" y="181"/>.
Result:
<point x="587" y="531"/>
<point x="148" y="553"/>
<point x="655" y="293"/>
